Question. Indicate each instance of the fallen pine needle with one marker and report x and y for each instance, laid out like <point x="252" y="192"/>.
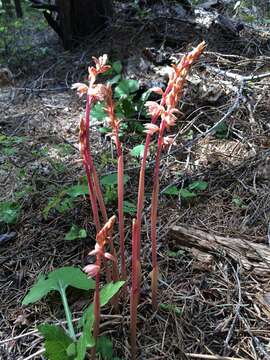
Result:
<point x="212" y="357"/>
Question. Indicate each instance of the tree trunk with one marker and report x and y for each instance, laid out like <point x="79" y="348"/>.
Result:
<point x="78" y="18"/>
<point x="18" y="8"/>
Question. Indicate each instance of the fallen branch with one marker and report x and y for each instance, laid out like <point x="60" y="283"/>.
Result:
<point x="251" y="256"/>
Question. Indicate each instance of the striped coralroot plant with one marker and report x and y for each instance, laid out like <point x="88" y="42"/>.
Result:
<point x="93" y="93"/>
<point x="102" y="239"/>
<point x="166" y="110"/>
<point x="100" y="92"/>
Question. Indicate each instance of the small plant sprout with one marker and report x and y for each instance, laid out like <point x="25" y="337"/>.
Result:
<point x="93" y="270"/>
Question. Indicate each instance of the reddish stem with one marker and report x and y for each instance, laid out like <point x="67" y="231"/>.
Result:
<point x="154" y="207"/>
<point x="92" y="196"/>
<point x="135" y="274"/>
<point x="98" y="193"/>
<point x="120" y="175"/>
<point x="96" y="306"/>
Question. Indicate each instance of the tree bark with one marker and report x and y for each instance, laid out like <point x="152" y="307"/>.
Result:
<point x="18" y="8"/>
<point x="79" y="18"/>
<point x="252" y="256"/>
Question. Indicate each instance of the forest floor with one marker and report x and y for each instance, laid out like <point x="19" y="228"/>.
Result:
<point x="216" y="307"/>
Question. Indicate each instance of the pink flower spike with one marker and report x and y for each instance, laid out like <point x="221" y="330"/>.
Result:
<point x="99" y="92"/>
<point x="154" y="109"/>
<point x="156" y="90"/>
<point x="81" y="88"/>
<point x="109" y="256"/>
<point x="91" y="270"/>
<point x="151" y="128"/>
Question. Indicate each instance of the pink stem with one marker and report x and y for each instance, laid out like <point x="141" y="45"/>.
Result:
<point x="120" y="174"/>
<point x="134" y="291"/>
<point x="96" y="306"/>
<point x="92" y="196"/>
<point x="154" y="207"/>
<point x="98" y="194"/>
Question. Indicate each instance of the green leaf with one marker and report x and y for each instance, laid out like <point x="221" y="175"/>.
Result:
<point x="97" y="113"/>
<point x="221" y="131"/>
<point x="117" y="66"/>
<point x="137" y="151"/>
<point x="104" y="130"/>
<point x="129" y="208"/>
<point x="109" y="290"/>
<point x="198" y="185"/>
<point x="57" y="342"/>
<point x="53" y="203"/>
<point x="126" y="87"/>
<point x="171" y="308"/>
<point x="237" y="201"/>
<point x="111" y="179"/>
<point x="185" y="194"/>
<point x="86" y="340"/>
<point x="9" y="212"/>
<point x="175" y="254"/>
<point x="58" y="280"/>
<point x="114" y="80"/>
<point x="104" y="347"/>
<point x="172" y="190"/>
<point x="126" y="107"/>
<point x="106" y="293"/>
<point x="75" y="233"/>
<point x="65" y="205"/>
<point x="77" y="190"/>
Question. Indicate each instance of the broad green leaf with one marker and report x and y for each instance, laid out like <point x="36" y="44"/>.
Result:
<point x="58" y="280"/>
<point x="145" y="96"/>
<point x="114" y="80"/>
<point x="117" y="66"/>
<point x="137" y="151"/>
<point x="126" y="87"/>
<point x="104" y="348"/>
<point x="104" y="130"/>
<point x="75" y="233"/>
<point x="56" y="342"/>
<point x="9" y="212"/>
<point x="97" y="113"/>
<point x="77" y="190"/>
<point x="172" y="190"/>
<point x="111" y="179"/>
<point x="198" y="185"/>
<point x="129" y="208"/>
<point x="109" y="290"/>
<point x="185" y="194"/>
<point x="106" y="293"/>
